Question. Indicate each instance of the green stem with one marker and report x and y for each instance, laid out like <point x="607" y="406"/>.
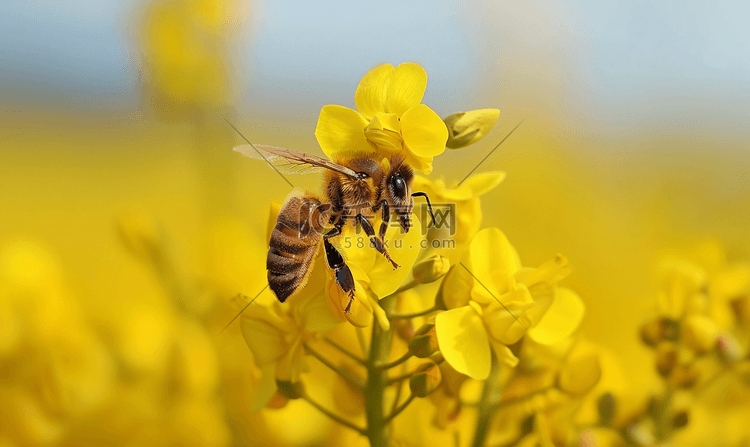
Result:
<point x="333" y="415"/>
<point x="412" y="315"/>
<point x="405" y="376"/>
<point x="396" y="362"/>
<point x="376" y="383"/>
<point x="487" y="405"/>
<point x="345" y="351"/>
<point x="399" y="387"/>
<point x="410" y="285"/>
<point x="399" y="409"/>
<point x="662" y="416"/>
<point x="349" y="378"/>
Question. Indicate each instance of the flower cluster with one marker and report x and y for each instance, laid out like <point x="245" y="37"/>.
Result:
<point x="459" y="325"/>
<point x="699" y="338"/>
<point x="79" y="372"/>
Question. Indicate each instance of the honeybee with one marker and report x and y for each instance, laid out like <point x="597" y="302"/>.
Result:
<point x="354" y="187"/>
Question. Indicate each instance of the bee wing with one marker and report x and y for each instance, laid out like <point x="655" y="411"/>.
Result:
<point x="289" y="161"/>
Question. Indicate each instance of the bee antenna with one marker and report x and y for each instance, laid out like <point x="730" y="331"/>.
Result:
<point x="429" y="205"/>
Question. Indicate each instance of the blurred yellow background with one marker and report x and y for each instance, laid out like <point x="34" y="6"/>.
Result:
<point x="635" y="145"/>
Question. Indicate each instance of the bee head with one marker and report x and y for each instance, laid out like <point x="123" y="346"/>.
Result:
<point x="397" y="190"/>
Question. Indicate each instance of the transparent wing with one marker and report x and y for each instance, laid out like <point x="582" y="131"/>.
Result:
<point x="288" y="161"/>
<point x="282" y="164"/>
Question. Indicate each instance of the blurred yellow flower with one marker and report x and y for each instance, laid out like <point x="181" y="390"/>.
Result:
<point x="184" y="45"/>
<point x="390" y="119"/>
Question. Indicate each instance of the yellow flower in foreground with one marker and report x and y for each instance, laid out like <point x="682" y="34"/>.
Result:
<point x="390" y="119"/>
<point x="494" y="301"/>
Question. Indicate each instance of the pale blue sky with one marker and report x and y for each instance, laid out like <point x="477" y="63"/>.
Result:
<point x="302" y="53"/>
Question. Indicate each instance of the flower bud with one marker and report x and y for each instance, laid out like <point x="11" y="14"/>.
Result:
<point x="424" y="342"/>
<point x="606" y="407"/>
<point x="685" y="376"/>
<point x="431" y="269"/>
<point x="465" y="128"/>
<point x="680" y="419"/>
<point x="426" y="380"/>
<point x="657" y="330"/>
<point x="699" y="333"/>
<point x="666" y="358"/>
<point x="403" y="327"/>
<point x="290" y="390"/>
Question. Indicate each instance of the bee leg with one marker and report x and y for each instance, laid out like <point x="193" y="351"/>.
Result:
<point x="342" y="273"/>
<point x="386" y="217"/>
<point x="377" y="243"/>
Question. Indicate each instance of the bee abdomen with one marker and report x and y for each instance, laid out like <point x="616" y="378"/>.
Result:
<point x="293" y="246"/>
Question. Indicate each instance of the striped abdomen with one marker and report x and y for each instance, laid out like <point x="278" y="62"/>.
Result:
<point x="293" y="245"/>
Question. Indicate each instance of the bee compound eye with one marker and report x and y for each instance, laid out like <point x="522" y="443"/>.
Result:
<point x="399" y="186"/>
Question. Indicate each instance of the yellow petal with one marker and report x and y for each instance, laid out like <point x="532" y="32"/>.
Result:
<point x="424" y="132"/>
<point x="404" y="249"/>
<point x="475" y="186"/>
<point x="469" y="127"/>
<point x="493" y="261"/>
<point x="406" y="86"/>
<point x="370" y="94"/>
<point x="311" y="307"/>
<point x="463" y="342"/>
<point x="699" y="333"/>
<point x="421" y="164"/>
<point x="289" y="366"/>
<point x="265" y="388"/>
<point x="561" y="319"/>
<point x="506" y="317"/>
<point x="263" y="333"/>
<point x="548" y="273"/>
<point x="354" y="246"/>
<point x="341" y="130"/>
<point x="504" y="355"/>
<point x="385" y="121"/>
<point x="384" y="131"/>
<point x="484" y="182"/>
<point x="456" y="287"/>
<point x="361" y="309"/>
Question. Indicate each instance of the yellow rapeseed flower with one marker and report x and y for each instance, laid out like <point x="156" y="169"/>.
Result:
<point x="389" y="119"/>
<point x="493" y="301"/>
<point x="275" y="333"/>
